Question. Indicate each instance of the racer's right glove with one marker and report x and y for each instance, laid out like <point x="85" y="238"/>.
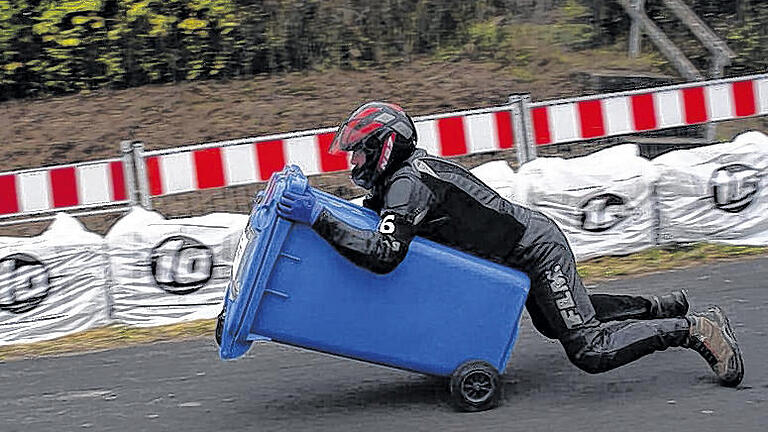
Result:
<point x="299" y="207"/>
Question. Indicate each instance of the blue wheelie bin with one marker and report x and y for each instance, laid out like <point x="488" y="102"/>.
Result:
<point x="440" y="312"/>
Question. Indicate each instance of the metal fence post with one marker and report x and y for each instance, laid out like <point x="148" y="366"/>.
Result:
<point x="530" y="142"/>
<point x="719" y="61"/>
<point x="145" y="199"/>
<point x="129" y="170"/>
<point x="517" y="129"/>
<point x="522" y="128"/>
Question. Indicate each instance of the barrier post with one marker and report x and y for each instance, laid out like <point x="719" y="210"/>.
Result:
<point x="129" y="170"/>
<point x="719" y="62"/>
<point x="145" y="199"/>
<point x="530" y="142"/>
<point x="521" y="122"/>
<point x="517" y="129"/>
<point x="523" y="128"/>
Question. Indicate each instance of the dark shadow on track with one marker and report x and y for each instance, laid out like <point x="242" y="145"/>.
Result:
<point x="411" y="393"/>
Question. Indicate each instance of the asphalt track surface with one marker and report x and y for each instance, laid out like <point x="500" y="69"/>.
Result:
<point x="185" y="387"/>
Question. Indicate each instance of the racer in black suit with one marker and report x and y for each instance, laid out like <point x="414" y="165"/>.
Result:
<point x="418" y="194"/>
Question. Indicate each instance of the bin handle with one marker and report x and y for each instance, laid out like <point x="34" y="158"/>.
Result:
<point x="296" y="180"/>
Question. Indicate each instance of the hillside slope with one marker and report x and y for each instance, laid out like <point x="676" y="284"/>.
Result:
<point x="90" y="126"/>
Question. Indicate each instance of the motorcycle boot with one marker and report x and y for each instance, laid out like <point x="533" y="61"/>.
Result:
<point x="711" y="336"/>
<point x="672" y="305"/>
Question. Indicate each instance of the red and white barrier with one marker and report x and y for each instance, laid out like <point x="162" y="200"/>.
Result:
<point x="570" y="120"/>
<point x="253" y="160"/>
<point x="69" y="186"/>
<point x="247" y="161"/>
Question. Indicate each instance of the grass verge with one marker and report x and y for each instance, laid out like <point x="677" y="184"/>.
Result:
<point x="108" y="337"/>
<point x="660" y="259"/>
<point x="113" y="336"/>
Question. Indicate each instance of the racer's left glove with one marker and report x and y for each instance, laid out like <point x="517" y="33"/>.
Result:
<point x="299" y="207"/>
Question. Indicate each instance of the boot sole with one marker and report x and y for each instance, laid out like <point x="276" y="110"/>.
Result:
<point x="731" y="337"/>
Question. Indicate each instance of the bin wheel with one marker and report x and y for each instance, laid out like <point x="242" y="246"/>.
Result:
<point x="219" y="328"/>
<point x="475" y="386"/>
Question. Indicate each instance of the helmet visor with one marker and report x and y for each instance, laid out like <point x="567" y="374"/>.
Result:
<point x="351" y="134"/>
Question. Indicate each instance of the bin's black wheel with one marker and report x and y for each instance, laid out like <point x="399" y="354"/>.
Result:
<point x="219" y="328"/>
<point x="475" y="386"/>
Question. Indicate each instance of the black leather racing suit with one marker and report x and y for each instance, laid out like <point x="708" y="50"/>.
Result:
<point x="439" y="200"/>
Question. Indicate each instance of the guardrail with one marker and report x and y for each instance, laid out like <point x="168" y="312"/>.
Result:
<point x="522" y="125"/>
<point x="644" y="110"/>
<point x="107" y="185"/>
<point x="253" y="160"/>
<point x="160" y="271"/>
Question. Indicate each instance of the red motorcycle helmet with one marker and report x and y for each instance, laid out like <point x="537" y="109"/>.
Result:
<point x="376" y="133"/>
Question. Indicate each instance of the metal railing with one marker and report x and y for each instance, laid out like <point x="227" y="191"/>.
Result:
<point x="521" y="126"/>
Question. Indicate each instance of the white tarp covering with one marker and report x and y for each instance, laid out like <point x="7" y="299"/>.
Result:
<point x="715" y="193"/>
<point x="602" y="202"/>
<point x="501" y="178"/>
<point x="53" y="284"/>
<point x="168" y="271"/>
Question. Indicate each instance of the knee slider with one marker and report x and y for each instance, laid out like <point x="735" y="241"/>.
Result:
<point x="588" y="357"/>
<point x="590" y="362"/>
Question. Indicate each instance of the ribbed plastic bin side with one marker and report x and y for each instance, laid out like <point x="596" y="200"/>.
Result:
<point x="436" y="310"/>
<point x="254" y="258"/>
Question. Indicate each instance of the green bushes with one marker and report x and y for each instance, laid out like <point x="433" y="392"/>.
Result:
<point x="58" y="46"/>
<point x="749" y="40"/>
<point x="515" y="41"/>
<point x="62" y="46"/>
